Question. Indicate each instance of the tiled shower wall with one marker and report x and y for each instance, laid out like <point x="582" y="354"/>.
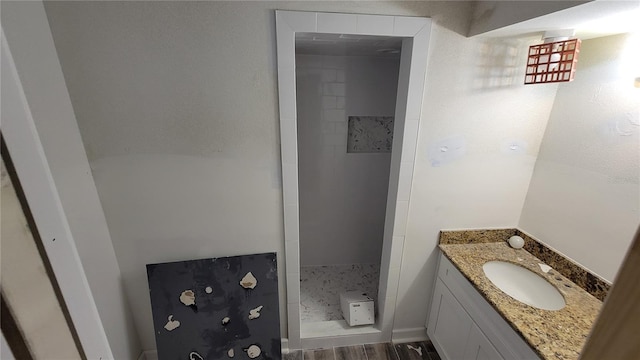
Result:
<point x="342" y="196"/>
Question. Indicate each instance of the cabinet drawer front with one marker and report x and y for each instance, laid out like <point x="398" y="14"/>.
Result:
<point x="479" y="347"/>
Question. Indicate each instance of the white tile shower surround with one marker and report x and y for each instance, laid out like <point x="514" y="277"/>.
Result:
<point x="411" y="85"/>
<point x="320" y="288"/>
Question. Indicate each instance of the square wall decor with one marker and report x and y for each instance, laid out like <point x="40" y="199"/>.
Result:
<point x="370" y="134"/>
<point x="552" y="62"/>
<point x="217" y="308"/>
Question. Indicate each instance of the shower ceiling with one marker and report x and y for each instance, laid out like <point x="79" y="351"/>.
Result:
<point x="344" y="44"/>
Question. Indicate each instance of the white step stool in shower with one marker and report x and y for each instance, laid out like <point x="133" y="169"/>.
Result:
<point x="357" y="308"/>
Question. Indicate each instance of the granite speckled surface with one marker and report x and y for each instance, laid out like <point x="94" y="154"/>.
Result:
<point x="591" y="283"/>
<point x="320" y="288"/>
<point x="552" y="334"/>
<point x="475" y="236"/>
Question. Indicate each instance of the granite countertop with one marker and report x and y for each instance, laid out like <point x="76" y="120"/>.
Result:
<point x="558" y="334"/>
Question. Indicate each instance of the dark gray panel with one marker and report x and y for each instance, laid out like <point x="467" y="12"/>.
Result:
<point x="201" y="330"/>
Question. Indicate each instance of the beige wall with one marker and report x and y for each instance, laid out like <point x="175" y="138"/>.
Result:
<point x="177" y="106"/>
<point x="475" y="98"/>
<point x="584" y="198"/>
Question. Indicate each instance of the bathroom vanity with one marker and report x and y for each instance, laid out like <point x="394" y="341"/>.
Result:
<point x="470" y="318"/>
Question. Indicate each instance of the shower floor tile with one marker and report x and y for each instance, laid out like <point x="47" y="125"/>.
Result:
<point x="320" y="288"/>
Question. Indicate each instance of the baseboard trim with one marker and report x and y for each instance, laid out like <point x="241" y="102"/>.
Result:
<point x="409" y="335"/>
<point x="149" y="355"/>
<point x="284" y="345"/>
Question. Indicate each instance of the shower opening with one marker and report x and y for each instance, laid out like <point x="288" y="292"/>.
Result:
<point x="346" y="89"/>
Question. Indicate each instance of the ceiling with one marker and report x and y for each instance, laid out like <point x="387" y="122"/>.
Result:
<point x="589" y="20"/>
<point x="350" y="45"/>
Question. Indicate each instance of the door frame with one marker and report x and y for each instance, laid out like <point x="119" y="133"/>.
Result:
<point x="415" y="32"/>
<point x="32" y="168"/>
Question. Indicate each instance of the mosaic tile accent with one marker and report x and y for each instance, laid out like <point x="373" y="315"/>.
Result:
<point x="475" y="236"/>
<point x="591" y="283"/>
<point x="370" y="134"/>
<point x="320" y="288"/>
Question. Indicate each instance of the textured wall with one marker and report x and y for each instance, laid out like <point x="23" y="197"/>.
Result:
<point x="177" y="107"/>
<point x="490" y="125"/>
<point x="176" y="104"/>
<point x="342" y="196"/>
<point x="584" y="197"/>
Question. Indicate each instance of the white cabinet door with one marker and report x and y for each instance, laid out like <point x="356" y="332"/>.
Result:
<point x="463" y="325"/>
<point x="479" y="348"/>
<point x="449" y="324"/>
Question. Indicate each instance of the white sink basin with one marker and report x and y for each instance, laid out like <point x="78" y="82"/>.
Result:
<point x="524" y="285"/>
